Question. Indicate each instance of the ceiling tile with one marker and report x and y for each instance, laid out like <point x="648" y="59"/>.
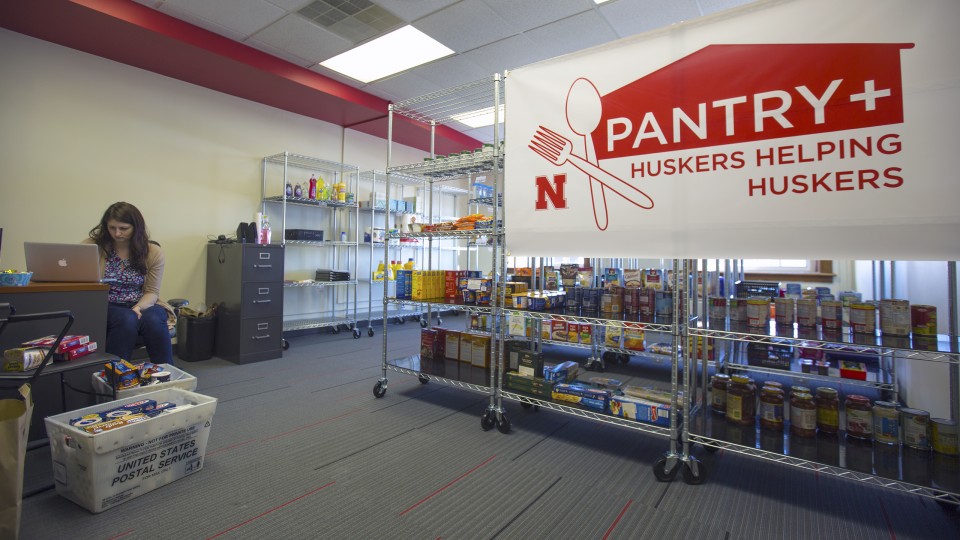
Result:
<point x="290" y="5"/>
<point x="242" y="16"/>
<point x="573" y="34"/>
<point x="400" y="87"/>
<point x="466" y="26"/>
<point x="530" y="14"/>
<point x="302" y="38"/>
<point x="510" y="53"/>
<point x="411" y="10"/>
<point x="631" y="17"/>
<point x="279" y="53"/>
<point x="451" y="71"/>
<point x="709" y="7"/>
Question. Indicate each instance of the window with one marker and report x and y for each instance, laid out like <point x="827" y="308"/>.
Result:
<point x="779" y="265"/>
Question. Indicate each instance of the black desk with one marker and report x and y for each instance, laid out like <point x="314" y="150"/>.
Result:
<point x="51" y="392"/>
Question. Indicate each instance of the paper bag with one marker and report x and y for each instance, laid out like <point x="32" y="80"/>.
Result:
<point x="14" y="426"/>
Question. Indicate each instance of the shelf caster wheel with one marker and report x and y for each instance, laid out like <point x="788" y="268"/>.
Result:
<point x="335" y="329"/>
<point x="423" y="379"/>
<point x="660" y="469"/>
<point x="379" y="389"/>
<point x="439" y="320"/>
<point x="285" y="344"/>
<point x="370" y="332"/>
<point x="488" y="420"/>
<point x="623" y="358"/>
<point x="503" y="424"/>
<point x="401" y="320"/>
<point x="356" y="333"/>
<point x="423" y="323"/>
<point x="694" y="473"/>
<point x="608" y="356"/>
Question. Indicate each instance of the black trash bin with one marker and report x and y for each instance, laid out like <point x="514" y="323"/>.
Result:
<point x="195" y="337"/>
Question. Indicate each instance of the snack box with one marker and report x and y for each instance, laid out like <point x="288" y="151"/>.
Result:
<point x="633" y="336"/>
<point x="451" y="346"/>
<point x="77" y="352"/>
<point x="124" y="373"/>
<point x="562" y="372"/>
<point x="558" y="330"/>
<point x="99" y="471"/>
<point x="573" y="332"/>
<point x="589" y="398"/>
<point x="22" y="358"/>
<point x="586" y="334"/>
<point x="68" y="342"/>
<point x="530" y="363"/>
<point x="178" y="379"/>
<point x="640" y="409"/>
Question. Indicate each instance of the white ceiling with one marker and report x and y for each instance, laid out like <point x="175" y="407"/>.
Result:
<point x="487" y="36"/>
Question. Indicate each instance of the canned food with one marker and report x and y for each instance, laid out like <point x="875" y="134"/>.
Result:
<point x="717" y="309"/>
<point x="591" y="299"/>
<point x="859" y="416"/>
<point x="944" y="436"/>
<point x="863" y="318"/>
<point x="631" y="300"/>
<point x="923" y="319"/>
<point x="783" y="311"/>
<point x="758" y="311"/>
<point x="807" y="312"/>
<point x="664" y="303"/>
<point x="886" y="422"/>
<point x="895" y="317"/>
<point x="574" y="298"/>
<point x="738" y="310"/>
<point x="831" y="315"/>
<point x="916" y="428"/>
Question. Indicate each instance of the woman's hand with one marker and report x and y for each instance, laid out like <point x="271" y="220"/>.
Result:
<point x="136" y="309"/>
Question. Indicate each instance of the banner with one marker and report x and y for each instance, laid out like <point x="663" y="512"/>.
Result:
<point x="796" y="129"/>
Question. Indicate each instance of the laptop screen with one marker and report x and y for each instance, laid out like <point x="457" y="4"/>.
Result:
<point x="71" y="263"/>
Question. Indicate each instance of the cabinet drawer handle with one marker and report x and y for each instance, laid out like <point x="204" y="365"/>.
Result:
<point x="263" y="290"/>
<point x="261" y="337"/>
<point x="263" y="266"/>
<point x="262" y="326"/>
<point x="267" y="301"/>
<point x="264" y="256"/>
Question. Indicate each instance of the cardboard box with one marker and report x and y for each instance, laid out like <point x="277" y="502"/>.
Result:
<point x="588" y="398"/>
<point x="428" y="350"/>
<point x="512" y="350"/>
<point x="481" y="352"/>
<point x="451" y="347"/>
<point x="535" y="386"/>
<point x="99" y="471"/>
<point x="563" y="372"/>
<point x="640" y="409"/>
<point x="586" y="334"/>
<point x="853" y="370"/>
<point x="633" y="336"/>
<point x="530" y="363"/>
<point x="558" y="330"/>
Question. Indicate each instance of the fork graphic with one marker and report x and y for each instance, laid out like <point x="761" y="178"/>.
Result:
<point x="558" y="150"/>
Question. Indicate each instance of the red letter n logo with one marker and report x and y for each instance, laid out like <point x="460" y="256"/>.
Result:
<point x="556" y="191"/>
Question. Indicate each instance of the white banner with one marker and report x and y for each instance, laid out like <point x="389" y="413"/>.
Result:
<point x="801" y="129"/>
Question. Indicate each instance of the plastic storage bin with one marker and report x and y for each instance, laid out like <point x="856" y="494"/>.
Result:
<point x="178" y="379"/>
<point x="196" y="338"/>
<point x="101" y="471"/>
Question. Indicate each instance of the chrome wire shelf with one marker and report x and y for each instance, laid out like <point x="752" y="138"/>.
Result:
<point x="427" y="377"/>
<point x="441" y="304"/>
<point x="302" y="201"/>
<point x="599" y="320"/>
<point x="445" y="234"/>
<point x="453" y="104"/>
<point x="324" y="243"/>
<point x="312" y="283"/>
<point x="315" y="322"/>
<point x="592" y="415"/>
<point x="441" y="168"/>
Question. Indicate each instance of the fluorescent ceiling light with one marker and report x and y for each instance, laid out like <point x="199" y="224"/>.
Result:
<point x="478" y="118"/>
<point x="600" y="1"/>
<point x="388" y="54"/>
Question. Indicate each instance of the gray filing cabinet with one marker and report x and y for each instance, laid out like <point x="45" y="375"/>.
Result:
<point x="247" y="281"/>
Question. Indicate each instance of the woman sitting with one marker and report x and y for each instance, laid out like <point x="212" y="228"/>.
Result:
<point x="135" y="264"/>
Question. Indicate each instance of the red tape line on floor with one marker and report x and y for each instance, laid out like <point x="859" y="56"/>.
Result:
<point x="616" y="521"/>
<point x="275" y="508"/>
<point x="452" y="482"/>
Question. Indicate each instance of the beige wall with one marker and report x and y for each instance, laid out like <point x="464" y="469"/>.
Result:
<point x="78" y="132"/>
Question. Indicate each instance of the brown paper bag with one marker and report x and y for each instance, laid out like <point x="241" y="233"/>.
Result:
<point x="14" y="427"/>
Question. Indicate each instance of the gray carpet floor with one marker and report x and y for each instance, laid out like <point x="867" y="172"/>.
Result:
<point x="301" y="448"/>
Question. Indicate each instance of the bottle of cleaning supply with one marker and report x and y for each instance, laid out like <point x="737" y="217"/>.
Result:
<point x="391" y="275"/>
<point x="379" y="273"/>
<point x="410" y="264"/>
<point x="265" y="235"/>
<point x="312" y="192"/>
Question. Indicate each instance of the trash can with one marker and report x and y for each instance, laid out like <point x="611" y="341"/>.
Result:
<point x="195" y="337"/>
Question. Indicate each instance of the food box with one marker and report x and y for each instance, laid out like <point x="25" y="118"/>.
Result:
<point x="428" y="350"/>
<point x="586" y="334"/>
<point x="769" y="355"/>
<point x="99" y="471"/>
<point x="640" y="409"/>
<point x="633" y="336"/>
<point x="853" y="370"/>
<point x="562" y="372"/>
<point x="530" y="363"/>
<point x="633" y="278"/>
<point x="178" y="379"/>
<point x="588" y="398"/>
<point x="512" y="349"/>
<point x="558" y="330"/>
<point x="480" y="356"/>
<point x="451" y="346"/>
<point x="534" y="386"/>
<point x="573" y="332"/>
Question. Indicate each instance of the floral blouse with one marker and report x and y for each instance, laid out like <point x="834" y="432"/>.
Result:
<point x="128" y="286"/>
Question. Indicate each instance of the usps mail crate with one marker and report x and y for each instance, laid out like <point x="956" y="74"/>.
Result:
<point x="103" y="470"/>
<point x="178" y="379"/>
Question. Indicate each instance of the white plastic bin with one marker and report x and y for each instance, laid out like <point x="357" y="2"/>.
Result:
<point x="178" y="379"/>
<point x="103" y="470"/>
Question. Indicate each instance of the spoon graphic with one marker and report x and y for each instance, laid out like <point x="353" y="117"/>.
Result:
<point x="584" y="110"/>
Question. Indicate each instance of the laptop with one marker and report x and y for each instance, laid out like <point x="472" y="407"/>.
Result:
<point x="71" y="263"/>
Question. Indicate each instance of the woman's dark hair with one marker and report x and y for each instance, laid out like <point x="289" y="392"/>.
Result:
<point x="139" y="242"/>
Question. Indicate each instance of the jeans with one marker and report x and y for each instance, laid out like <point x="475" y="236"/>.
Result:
<point x="123" y="329"/>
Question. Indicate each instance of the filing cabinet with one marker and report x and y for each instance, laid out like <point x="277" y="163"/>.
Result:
<point x="247" y="281"/>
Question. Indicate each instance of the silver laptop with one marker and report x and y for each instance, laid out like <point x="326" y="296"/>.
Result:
<point x="72" y="263"/>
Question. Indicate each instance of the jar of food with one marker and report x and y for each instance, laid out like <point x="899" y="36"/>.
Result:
<point x="803" y="415"/>
<point x="771" y="408"/>
<point x="886" y="422"/>
<point x="741" y="400"/>
<point x="794" y="390"/>
<point x="773" y="384"/>
<point x="944" y="436"/>
<point x="718" y="399"/>
<point x="859" y="416"/>
<point x="828" y="410"/>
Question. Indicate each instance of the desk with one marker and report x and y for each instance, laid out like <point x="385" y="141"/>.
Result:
<point x="88" y="303"/>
